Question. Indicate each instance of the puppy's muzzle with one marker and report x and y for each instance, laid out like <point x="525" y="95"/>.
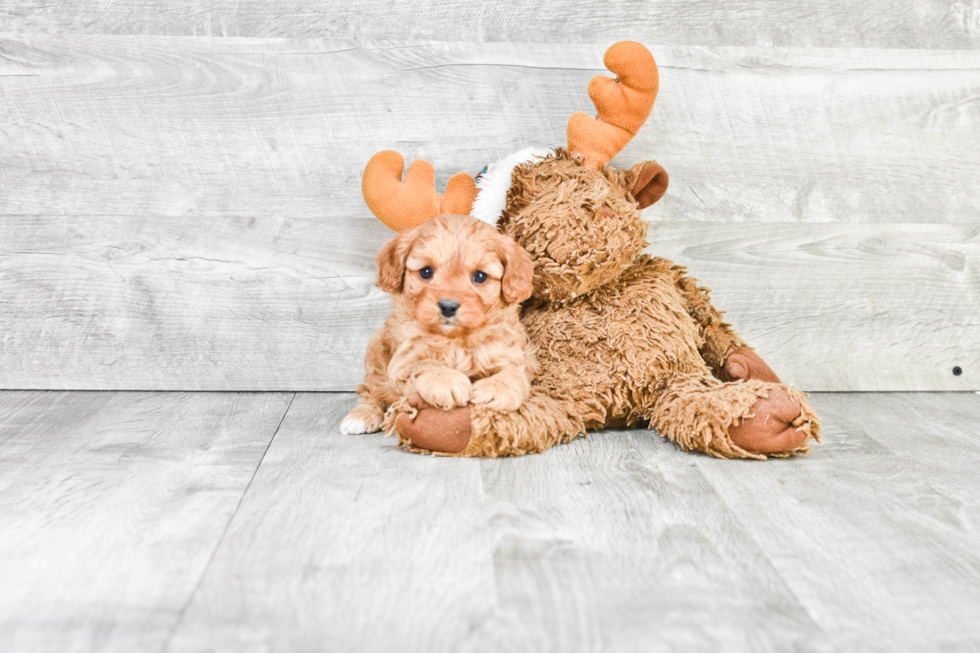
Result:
<point x="448" y="307"/>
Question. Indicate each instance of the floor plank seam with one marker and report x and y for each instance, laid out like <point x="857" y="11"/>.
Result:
<point x="197" y="586"/>
<point x="772" y="565"/>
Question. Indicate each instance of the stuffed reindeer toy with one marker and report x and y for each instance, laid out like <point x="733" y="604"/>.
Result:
<point x="622" y="339"/>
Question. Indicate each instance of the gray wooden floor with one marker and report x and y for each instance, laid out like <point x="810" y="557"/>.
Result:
<point x="134" y="521"/>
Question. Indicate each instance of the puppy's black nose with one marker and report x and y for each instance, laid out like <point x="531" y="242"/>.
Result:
<point x="448" y="307"/>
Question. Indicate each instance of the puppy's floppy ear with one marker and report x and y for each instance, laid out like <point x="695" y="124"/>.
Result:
<point x="517" y="283"/>
<point x="391" y="262"/>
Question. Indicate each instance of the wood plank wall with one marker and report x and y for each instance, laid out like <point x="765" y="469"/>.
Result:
<point x="180" y="182"/>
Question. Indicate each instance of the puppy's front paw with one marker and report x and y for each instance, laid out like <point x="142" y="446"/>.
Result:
<point x="445" y="388"/>
<point x="496" y="394"/>
<point x="363" y="419"/>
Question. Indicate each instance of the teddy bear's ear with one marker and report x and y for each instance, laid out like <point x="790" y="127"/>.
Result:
<point x="651" y="183"/>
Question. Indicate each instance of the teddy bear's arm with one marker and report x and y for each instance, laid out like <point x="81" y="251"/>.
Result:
<point x="719" y="337"/>
<point x="479" y="431"/>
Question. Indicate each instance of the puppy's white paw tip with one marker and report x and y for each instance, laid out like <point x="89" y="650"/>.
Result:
<point x="351" y="426"/>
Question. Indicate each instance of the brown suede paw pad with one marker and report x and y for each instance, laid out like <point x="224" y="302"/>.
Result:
<point x="771" y="427"/>
<point x="744" y="364"/>
<point x="442" y="431"/>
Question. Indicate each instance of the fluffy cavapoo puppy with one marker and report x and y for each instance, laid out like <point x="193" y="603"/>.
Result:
<point x="454" y="336"/>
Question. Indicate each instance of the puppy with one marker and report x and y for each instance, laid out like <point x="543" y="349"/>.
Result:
<point x="454" y="336"/>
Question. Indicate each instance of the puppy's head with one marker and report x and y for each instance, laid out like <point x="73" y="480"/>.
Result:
<point x="454" y="274"/>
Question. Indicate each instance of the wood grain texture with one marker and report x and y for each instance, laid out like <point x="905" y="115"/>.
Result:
<point x="347" y="543"/>
<point x="875" y="547"/>
<point x="188" y="304"/>
<point x="827" y="23"/>
<point x="274" y="304"/>
<point x="618" y="543"/>
<point x="845" y="307"/>
<point x="185" y="213"/>
<point x="935" y="438"/>
<point x="181" y="127"/>
<point x="111" y="506"/>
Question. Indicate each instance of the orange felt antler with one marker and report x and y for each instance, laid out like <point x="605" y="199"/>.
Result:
<point x="622" y="104"/>
<point x="405" y="203"/>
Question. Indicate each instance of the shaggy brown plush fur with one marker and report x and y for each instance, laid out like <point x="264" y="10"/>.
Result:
<point x="575" y="222"/>
<point x="621" y="338"/>
<point x="539" y="424"/>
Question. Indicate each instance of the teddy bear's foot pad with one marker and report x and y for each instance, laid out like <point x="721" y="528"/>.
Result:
<point x="744" y="364"/>
<point x="771" y="425"/>
<point x="443" y="431"/>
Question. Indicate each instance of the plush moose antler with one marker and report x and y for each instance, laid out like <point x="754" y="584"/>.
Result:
<point x="406" y="203"/>
<point x="622" y="104"/>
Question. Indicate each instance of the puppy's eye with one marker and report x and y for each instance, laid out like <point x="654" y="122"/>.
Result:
<point x="479" y="276"/>
<point x="426" y="272"/>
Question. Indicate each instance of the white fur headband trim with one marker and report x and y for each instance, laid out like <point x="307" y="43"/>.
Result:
<point x="494" y="182"/>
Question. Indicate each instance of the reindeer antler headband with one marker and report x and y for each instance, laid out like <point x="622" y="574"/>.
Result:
<point x="405" y="203"/>
<point x="622" y="106"/>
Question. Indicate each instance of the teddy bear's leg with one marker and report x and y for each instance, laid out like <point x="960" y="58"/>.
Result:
<point x="734" y="420"/>
<point x="729" y="358"/>
<point x="744" y="364"/>
<point x="475" y="430"/>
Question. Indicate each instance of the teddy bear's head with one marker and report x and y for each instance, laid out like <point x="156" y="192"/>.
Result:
<point x="577" y="217"/>
<point x="581" y="225"/>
